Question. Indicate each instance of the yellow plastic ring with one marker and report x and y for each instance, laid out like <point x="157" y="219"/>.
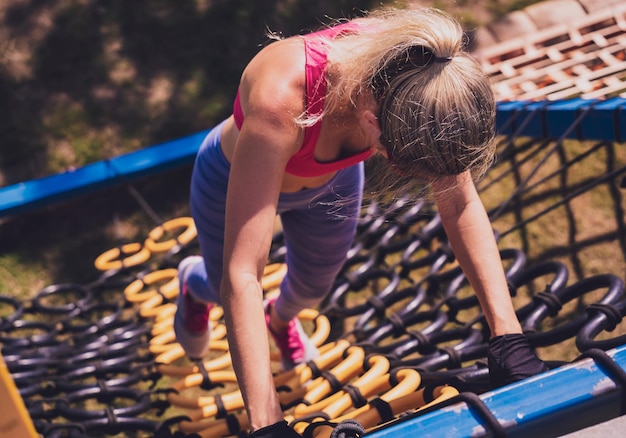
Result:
<point x="126" y="256"/>
<point x="188" y="234"/>
<point x="214" y="428"/>
<point x="337" y="403"/>
<point x="231" y="401"/>
<point x="330" y="355"/>
<point x="273" y="275"/>
<point x="164" y="360"/>
<point x="135" y="292"/>
<point x="346" y="370"/>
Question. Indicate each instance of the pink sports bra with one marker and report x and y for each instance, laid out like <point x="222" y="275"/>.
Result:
<point x="303" y="162"/>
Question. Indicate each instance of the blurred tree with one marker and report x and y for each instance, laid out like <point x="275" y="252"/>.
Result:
<point x="86" y="80"/>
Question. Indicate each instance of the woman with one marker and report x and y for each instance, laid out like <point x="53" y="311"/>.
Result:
<point x="309" y="110"/>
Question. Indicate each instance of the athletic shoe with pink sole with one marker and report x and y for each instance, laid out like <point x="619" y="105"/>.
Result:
<point x="191" y="321"/>
<point x="294" y="345"/>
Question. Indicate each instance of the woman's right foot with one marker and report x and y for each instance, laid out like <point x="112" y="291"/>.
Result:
<point x="191" y="321"/>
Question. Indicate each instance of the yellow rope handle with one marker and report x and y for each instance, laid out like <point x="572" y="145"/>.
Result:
<point x="189" y="233"/>
<point x="330" y="355"/>
<point x="337" y="403"/>
<point x="273" y="275"/>
<point x="413" y="401"/>
<point x="128" y="255"/>
<point x="216" y="428"/>
<point x="405" y="390"/>
<point x="166" y="340"/>
<point x="162" y="325"/>
<point x="165" y="317"/>
<point x="343" y="372"/>
<point x="152" y="307"/>
<point x="166" y="358"/>
<point x="201" y="419"/>
<point x="140" y="289"/>
<point x="231" y="401"/>
<point x="322" y="325"/>
<point x="398" y="396"/>
<point x="441" y="393"/>
<point x="408" y="380"/>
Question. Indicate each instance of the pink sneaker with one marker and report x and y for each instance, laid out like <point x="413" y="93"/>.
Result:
<point x="191" y="322"/>
<point x="294" y="345"/>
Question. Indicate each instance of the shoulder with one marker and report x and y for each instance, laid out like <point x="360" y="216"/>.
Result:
<point x="274" y="82"/>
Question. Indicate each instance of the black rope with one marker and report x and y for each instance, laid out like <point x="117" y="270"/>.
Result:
<point x="385" y="412"/>
<point x="356" y="396"/>
<point x="454" y="357"/>
<point x="552" y="302"/>
<point x="521" y="187"/>
<point x="136" y="195"/>
<point x="379" y="306"/>
<point x="566" y="165"/>
<point x="393" y="377"/>
<point x="617" y="125"/>
<point x="315" y="371"/>
<point x="233" y="424"/>
<point x="222" y="412"/>
<point x="475" y="403"/>
<point x="612" y="313"/>
<point x="429" y="393"/>
<point x="424" y="344"/>
<point x="397" y="323"/>
<point x="607" y="177"/>
<point x="335" y="384"/>
<point x="348" y="429"/>
<point x="207" y="384"/>
<point x="612" y="369"/>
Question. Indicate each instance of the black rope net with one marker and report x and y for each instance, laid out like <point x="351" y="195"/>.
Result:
<point x="400" y="331"/>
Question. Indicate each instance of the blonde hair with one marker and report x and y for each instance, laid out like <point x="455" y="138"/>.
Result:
<point x="436" y="106"/>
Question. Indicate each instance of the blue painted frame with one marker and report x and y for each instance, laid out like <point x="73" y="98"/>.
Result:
<point x="30" y="195"/>
<point x="564" y="400"/>
<point x="599" y="120"/>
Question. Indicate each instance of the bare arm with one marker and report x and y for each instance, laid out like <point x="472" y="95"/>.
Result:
<point x="470" y="234"/>
<point x="267" y="139"/>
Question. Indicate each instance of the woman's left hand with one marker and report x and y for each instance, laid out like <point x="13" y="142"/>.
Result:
<point x="511" y="359"/>
<point x="276" y="430"/>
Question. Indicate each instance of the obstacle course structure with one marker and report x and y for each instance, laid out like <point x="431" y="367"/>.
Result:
<point x="402" y="338"/>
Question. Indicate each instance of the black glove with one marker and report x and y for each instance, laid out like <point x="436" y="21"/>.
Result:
<point x="348" y="429"/>
<point x="276" y="430"/>
<point x="511" y="358"/>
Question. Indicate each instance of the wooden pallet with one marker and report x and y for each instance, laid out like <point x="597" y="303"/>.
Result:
<point x="585" y="58"/>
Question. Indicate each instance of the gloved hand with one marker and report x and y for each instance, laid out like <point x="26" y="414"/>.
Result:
<point x="276" y="430"/>
<point x="511" y="358"/>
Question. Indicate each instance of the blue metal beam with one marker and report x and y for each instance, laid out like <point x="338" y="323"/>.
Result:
<point x="580" y="119"/>
<point x="554" y="403"/>
<point x="26" y="196"/>
<point x="576" y="118"/>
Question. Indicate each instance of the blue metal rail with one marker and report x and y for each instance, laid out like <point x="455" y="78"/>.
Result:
<point x="577" y="118"/>
<point x="580" y="119"/>
<point x="561" y="401"/>
<point x="30" y="195"/>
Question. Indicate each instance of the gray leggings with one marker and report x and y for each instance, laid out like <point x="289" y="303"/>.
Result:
<point x="318" y="226"/>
